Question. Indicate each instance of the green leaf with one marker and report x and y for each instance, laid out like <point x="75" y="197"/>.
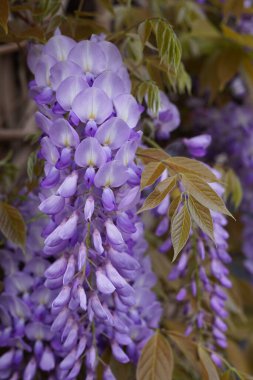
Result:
<point x="188" y="12"/>
<point x="189" y="349"/>
<point x="203" y="193"/>
<point x="4" y="161"/>
<point x="226" y="375"/>
<point x="158" y="195"/>
<point x="174" y="206"/>
<point x="201" y="216"/>
<point x="169" y="48"/>
<point x="188" y="165"/>
<point x="162" y="266"/>
<point x="134" y="48"/>
<point x="177" y="164"/>
<point x="32" y="160"/>
<point x="156" y="361"/>
<point x="4" y="14"/>
<point x="151" y="91"/>
<point x="122" y="371"/>
<point x="203" y="28"/>
<point x="151" y="173"/>
<point x="182" y="81"/>
<point x="52" y="7"/>
<point x="211" y="372"/>
<point x="233" y="188"/>
<point x="12" y="224"/>
<point x="144" y="31"/>
<point x="233" y="7"/>
<point x="23" y="33"/>
<point x="35" y="32"/>
<point x="228" y="64"/>
<point x="180" y="230"/>
<point x="152" y="154"/>
<point x="239" y="38"/>
<point x="247" y="66"/>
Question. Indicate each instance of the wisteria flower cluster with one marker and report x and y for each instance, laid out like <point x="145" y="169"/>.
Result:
<point x="201" y="269"/>
<point x="99" y="277"/>
<point x="30" y="345"/>
<point x="231" y="131"/>
<point x="167" y="118"/>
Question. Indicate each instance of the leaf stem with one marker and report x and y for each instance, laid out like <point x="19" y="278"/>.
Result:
<point x="151" y="142"/>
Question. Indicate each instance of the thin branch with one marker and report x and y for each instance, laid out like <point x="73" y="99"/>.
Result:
<point x="11" y="47"/>
<point x="151" y="142"/>
<point x="13" y="134"/>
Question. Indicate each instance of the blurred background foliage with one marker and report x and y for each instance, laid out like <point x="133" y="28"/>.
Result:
<point x="168" y="45"/>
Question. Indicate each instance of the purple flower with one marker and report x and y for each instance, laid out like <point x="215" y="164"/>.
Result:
<point x="206" y="281"/>
<point x="197" y="145"/>
<point x="168" y="118"/>
<point x="91" y="186"/>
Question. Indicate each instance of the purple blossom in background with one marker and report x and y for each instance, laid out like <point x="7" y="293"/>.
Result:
<point x="99" y="275"/>
<point x="198" y="145"/>
<point x="207" y="284"/>
<point x="231" y="128"/>
<point x="25" y="317"/>
<point x="167" y="119"/>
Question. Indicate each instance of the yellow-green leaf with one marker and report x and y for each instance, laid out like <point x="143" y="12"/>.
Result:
<point x="203" y="193"/>
<point x="233" y="7"/>
<point x="233" y="188"/>
<point x="169" y="48"/>
<point x="151" y="91"/>
<point x="151" y="173"/>
<point x="180" y="230"/>
<point x="156" y="361"/>
<point x="31" y="162"/>
<point x="174" y="206"/>
<point x="189" y="165"/>
<point x="228" y="64"/>
<point x="177" y="164"/>
<point x="34" y="32"/>
<point x="162" y="266"/>
<point x="203" y="28"/>
<point x="189" y="349"/>
<point x="158" y="195"/>
<point x="211" y="371"/>
<point x="201" y="216"/>
<point x="226" y="375"/>
<point x="239" y="38"/>
<point x="247" y="65"/>
<point x="152" y="154"/>
<point x="144" y="31"/>
<point x="208" y="76"/>
<point x="121" y="371"/>
<point x="12" y="224"/>
<point x="4" y="14"/>
<point x="134" y="49"/>
<point x="182" y="81"/>
<point x="108" y="5"/>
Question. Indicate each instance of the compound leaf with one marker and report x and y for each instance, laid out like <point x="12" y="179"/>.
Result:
<point x="156" y="361"/>
<point x="12" y="224"/>
<point x="180" y="230"/>
<point x="201" y="216"/>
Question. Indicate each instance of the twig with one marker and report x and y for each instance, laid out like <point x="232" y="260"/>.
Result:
<point x="11" y="47"/>
<point x="13" y="134"/>
<point x="151" y="142"/>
